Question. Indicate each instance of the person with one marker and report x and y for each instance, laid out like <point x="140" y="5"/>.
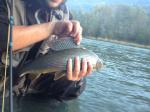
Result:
<point x="36" y="22"/>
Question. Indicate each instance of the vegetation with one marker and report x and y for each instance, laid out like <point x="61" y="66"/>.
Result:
<point x="121" y="22"/>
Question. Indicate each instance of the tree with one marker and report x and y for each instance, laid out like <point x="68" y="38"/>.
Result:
<point x="120" y="22"/>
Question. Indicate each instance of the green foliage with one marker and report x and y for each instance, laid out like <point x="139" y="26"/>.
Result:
<point x="121" y="22"/>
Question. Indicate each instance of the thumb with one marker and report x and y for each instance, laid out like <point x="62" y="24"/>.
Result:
<point x="68" y="27"/>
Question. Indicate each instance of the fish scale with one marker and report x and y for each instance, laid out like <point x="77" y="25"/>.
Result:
<point x="64" y="43"/>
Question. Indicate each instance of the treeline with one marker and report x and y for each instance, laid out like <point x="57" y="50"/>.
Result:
<point x="121" y="22"/>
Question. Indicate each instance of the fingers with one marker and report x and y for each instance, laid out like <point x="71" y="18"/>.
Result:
<point x="76" y="32"/>
<point x="90" y="68"/>
<point x="80" y="69"/>
<point x="83" y="71"/>
<point x="62" y="28"/>
<point x="69" y="69"/>
<point x="78" y="38"/>
<point x="68" y="28"/>
<point x="76" y="68"/>
<point x="76" y="28"/>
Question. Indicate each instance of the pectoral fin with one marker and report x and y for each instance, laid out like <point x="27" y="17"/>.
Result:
<point x="59" y="75"/>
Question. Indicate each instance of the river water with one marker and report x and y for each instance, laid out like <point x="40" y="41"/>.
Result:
<point x="122" y="86"/>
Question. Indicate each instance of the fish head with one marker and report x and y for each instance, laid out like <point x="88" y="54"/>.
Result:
<point x="99" y="64"/>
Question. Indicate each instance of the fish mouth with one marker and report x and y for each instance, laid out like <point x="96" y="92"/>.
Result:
<point x="99" y="64"/>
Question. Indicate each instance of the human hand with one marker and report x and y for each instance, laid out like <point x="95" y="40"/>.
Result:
<point x="80" y="70"/>
<point x="68" y="28"/>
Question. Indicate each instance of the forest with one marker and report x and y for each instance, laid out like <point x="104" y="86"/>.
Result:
<point x="117" y="22"/>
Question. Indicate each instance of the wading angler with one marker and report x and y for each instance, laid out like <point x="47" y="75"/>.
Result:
<point x="38" y="24"/>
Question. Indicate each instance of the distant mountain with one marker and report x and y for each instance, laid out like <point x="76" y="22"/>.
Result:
<point x="88" y="4"/>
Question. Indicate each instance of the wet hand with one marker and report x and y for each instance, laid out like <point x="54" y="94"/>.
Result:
<point x="68" y="28"/>
<point x="80" y="70"/>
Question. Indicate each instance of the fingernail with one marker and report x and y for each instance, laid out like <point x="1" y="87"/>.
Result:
<point x="70" y="60"/>
<point x="71" y="35"/>
<point x="78" y="43"/>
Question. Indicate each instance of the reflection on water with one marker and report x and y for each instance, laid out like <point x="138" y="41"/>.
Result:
<point x="122" y="86"/>
<point x="36" y="104"/>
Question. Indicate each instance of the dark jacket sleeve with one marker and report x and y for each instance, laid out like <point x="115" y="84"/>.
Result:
<point x="3" y="24"/>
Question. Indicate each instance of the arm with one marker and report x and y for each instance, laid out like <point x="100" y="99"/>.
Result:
<point x="23" y="36"/>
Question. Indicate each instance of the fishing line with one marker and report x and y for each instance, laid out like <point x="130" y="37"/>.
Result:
<point x="5" y="74"/>
<point x="9" y="52"/>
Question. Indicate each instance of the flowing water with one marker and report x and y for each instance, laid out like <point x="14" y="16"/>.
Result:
<point x="122" y="86"/>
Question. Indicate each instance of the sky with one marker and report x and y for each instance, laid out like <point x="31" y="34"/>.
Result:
<point x="91" y="3"/>
<point x="109" y="2"/>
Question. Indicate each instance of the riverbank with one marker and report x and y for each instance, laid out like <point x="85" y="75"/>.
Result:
<point x="120" y="42"/>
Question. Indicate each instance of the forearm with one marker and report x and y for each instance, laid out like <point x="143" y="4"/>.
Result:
<point x="24" y="36"/>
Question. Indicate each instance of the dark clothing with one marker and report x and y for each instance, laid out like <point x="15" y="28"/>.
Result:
<point x="3" y="24"/>
<point x="25" y="14"/>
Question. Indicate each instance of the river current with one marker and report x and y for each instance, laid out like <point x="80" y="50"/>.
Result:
<point x="123" y="85"/>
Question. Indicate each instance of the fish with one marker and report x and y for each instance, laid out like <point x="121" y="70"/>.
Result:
<point x="63" y="43"/>
<point x="57" y="62"/>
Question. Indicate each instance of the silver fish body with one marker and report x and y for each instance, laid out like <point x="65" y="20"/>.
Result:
<point x="57" y="61"/>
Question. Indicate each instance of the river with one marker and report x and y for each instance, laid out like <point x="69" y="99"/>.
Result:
<point x="123" y="85"/>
